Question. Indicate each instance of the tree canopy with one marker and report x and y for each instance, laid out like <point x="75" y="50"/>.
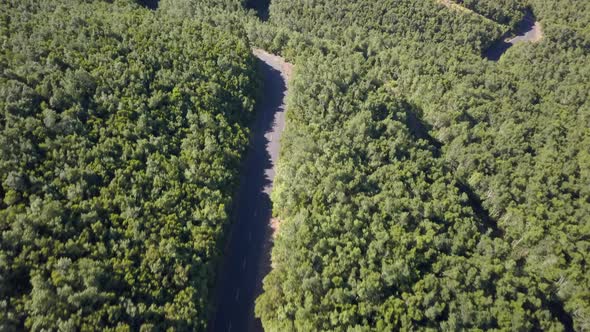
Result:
<point x="508" y="141"/>
<point x="420" y="186"/>
<point x="122" y="132"/>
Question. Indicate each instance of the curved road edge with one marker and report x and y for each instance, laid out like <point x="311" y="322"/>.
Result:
<point x="246" y="258"/>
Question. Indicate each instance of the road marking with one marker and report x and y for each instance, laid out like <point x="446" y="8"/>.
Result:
<point x="244" y="264"/>
<point x="237" y="295"/>
<point x="229" y="327"/>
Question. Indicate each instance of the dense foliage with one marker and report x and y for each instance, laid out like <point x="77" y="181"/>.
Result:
<point x="122" y="131"/>
<point x="508" y="12"/>
<point x="426" y="21"/>
<point x="420" y="186"/>
<point x="378" y="234"/>
<point x="513" y="138"/>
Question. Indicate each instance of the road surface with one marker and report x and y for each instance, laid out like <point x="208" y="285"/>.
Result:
<point x="528" y="30"/>
<point x="247" y="255"/>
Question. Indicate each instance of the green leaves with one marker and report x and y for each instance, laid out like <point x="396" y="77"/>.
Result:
<point x="457" y="231"/>
<point x="114" y="191"/>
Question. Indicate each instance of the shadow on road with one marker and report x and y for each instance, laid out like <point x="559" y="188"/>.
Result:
<point x="261" y="8"/>
<point x="247" y="254"/>
<point x="527" y="30"/>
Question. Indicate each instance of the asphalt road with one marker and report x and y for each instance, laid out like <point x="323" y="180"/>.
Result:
<point x="247" y="255"/>
<point x="528" y="30"/>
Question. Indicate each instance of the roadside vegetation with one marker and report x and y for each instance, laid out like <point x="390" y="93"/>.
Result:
<point x="122" y="132"/>
<point x="509" y="138"/>
<point x="420" y="186"/>
<point x="509" y="12"/>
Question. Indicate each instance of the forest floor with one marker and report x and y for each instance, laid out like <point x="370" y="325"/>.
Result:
<point x="247" y="254"/>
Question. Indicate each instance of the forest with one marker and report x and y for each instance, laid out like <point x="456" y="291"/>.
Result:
<point x="420" y="186"/>
<point x="496" y="152"/>
<point x="122" y="133"/>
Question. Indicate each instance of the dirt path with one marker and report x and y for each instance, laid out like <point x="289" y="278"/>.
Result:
<point x="247" y="255"/>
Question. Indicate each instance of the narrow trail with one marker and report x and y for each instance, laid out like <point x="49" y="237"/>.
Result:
<point x="247" y="255"/>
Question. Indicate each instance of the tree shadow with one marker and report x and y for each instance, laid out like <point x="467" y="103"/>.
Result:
<point x="557" y="309"/>
<point x="261" y="8"/>
<point x="246" y="258"/>
<point x="150" y="4"/>
<point x="419" y="129"/>
<point x="495" y="52"/>
<point x="486" y="223"/>
<point x="498" y="48"/>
